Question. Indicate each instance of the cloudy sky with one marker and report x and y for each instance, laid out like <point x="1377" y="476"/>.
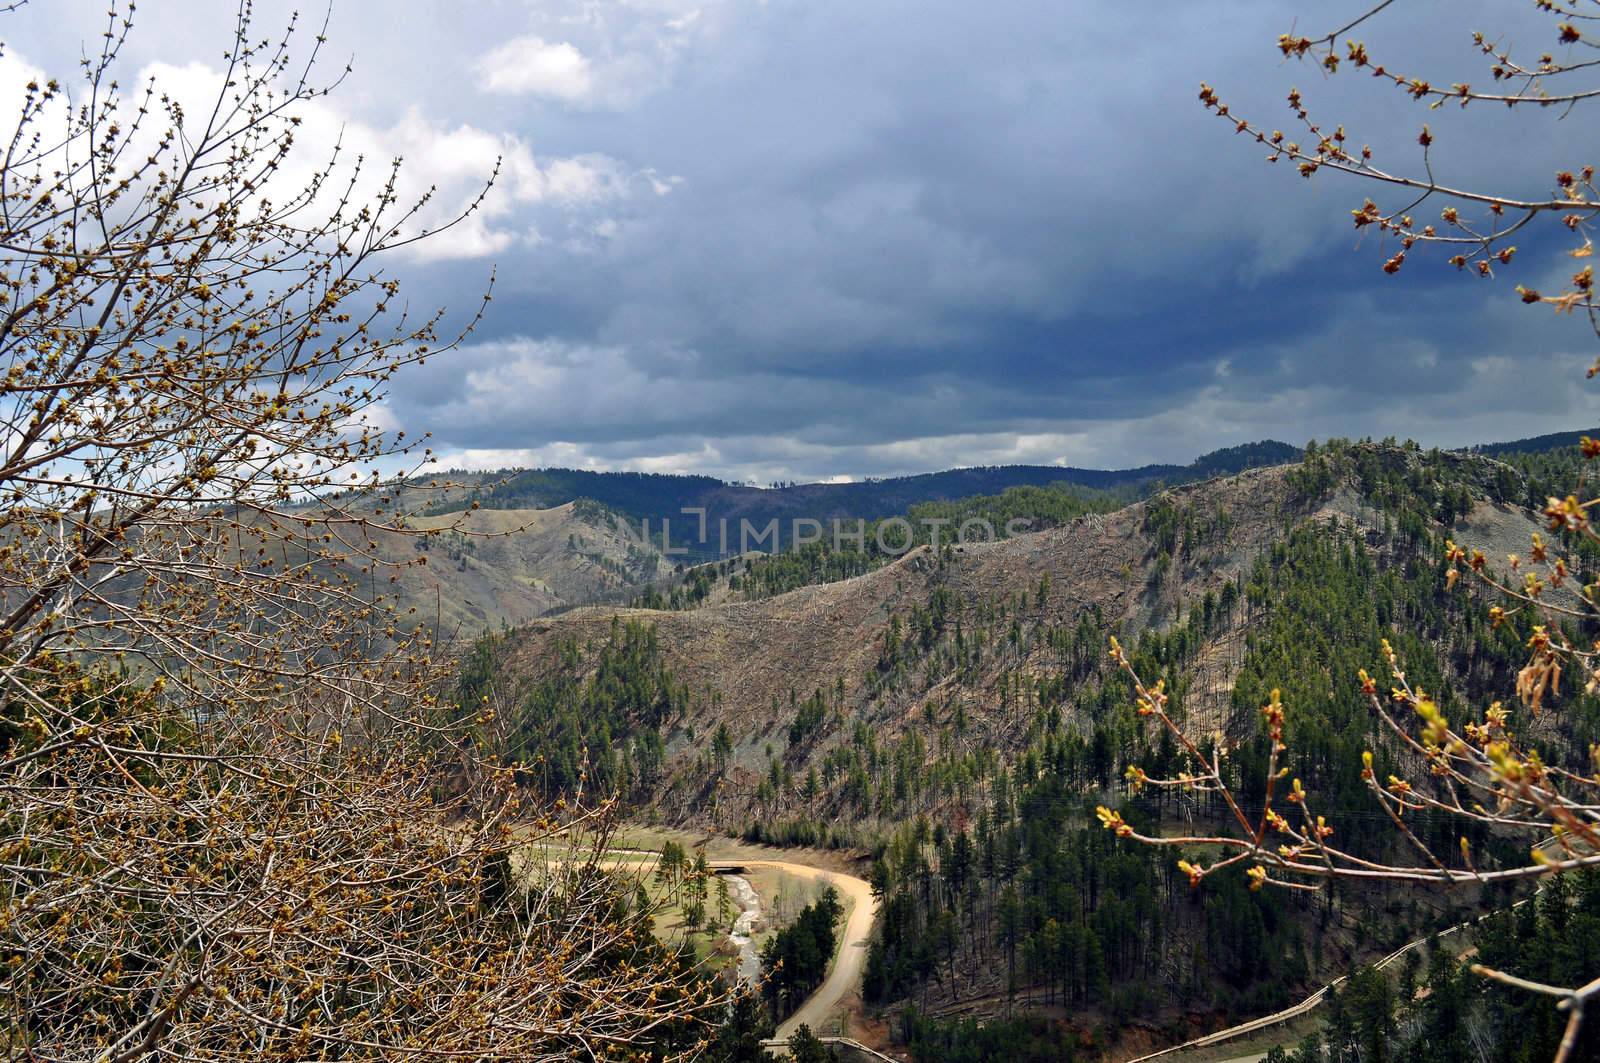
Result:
<point x="800" y="239"/>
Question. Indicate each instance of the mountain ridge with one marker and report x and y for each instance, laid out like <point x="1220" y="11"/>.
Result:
<point x="616" y="555"/>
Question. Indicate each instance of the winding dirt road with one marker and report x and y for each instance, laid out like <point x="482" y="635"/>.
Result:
<point x="845" y="973"/>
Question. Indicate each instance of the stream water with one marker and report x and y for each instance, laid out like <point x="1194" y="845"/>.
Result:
<point x="744" y="895"/>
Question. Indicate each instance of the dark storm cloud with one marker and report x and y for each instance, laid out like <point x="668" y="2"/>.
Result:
<point x="888" y="236"/>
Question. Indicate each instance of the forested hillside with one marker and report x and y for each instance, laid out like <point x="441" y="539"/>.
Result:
<point x="952" y="714"/>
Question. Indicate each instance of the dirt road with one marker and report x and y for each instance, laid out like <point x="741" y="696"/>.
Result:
<point x="848" y="963"/>
<point x="845" y="973"/>
<point x="1315" y="999"/>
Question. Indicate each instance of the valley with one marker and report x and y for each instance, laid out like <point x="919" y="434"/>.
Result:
<point x="945" y="721"/>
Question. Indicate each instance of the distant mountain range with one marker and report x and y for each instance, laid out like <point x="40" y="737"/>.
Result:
<point x="1535" y="444"/>
<point x="654" y="495"/>
<point x="642" y="495"/>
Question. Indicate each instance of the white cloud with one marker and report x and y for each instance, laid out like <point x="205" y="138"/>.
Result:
<point x="451" y="161"/>
<point x="533" y="66"/>
<point x="16" y="73"/>
<point x="580" y="179"/>
<point x="595" y="55"/>
<point x="538" y="199"/>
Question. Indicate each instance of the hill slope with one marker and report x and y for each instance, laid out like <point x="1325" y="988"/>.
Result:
<point x="489" y="568"/>
<point x="952" y="713"/>
<point x="905" y="648"/>
<point x="545" y="540"/>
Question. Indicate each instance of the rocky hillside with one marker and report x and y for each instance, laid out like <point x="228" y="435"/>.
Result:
<point x="519" y="544"/>
<point x="489" y="568"/>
